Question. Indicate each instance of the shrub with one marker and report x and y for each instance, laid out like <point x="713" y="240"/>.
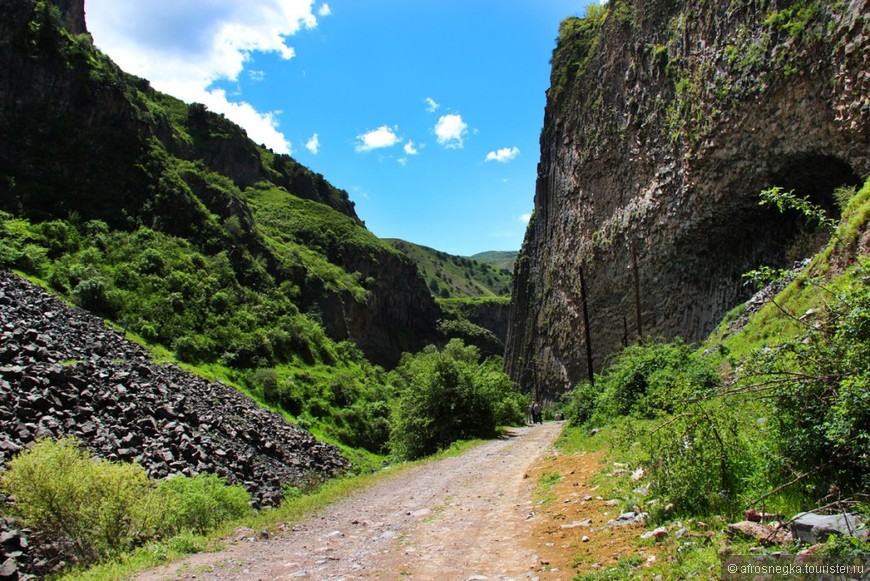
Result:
<point x="697" y="460"/>
<point x="820" y="390"/>
<point x="509" y="405"/>
<point x="92" y="294"/>
<point x="442" y="400"/>
<point x="201" y="503"/>
<point x="266" y="381"/>
<point x="75" y="500"/>
<point x="652" y="378"/>
<point x="33" y="259"/>
<point x="581" y="403"/>
<point x="193" y="348"/>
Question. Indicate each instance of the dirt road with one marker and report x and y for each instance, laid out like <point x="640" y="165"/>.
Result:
<point x="460" y="518"/>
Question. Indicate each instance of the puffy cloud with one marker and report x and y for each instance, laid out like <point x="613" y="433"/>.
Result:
<point x="313" y="144"/>
<point x="184" y="47"/>
<point x="381" y="137"/>
<point x="324" y="10"/>
<point x="410" y="149"/>
<point x="431" y="105"/>
<point x="525" y="218"/>
<point x="503" y="155"/>
<point x="450" y="130"/>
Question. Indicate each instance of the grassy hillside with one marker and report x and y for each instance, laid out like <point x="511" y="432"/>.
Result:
<point x="498" y="258"/>
<point x="449" y="276"/>
<point x="140" y="160"/>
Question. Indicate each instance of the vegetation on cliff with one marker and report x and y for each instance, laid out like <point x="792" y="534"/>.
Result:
<point x="663" y="122"/>
<point x="473" y="295"/>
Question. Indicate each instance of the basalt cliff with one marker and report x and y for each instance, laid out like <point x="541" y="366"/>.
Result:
<point x="664" y="122"/>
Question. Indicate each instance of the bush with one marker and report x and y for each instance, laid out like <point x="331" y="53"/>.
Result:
<point x="581" y="403"/>
<point x="266" y="382"/>
<point x="33" y="259"/>
<point x="653" y="378"/>
<point x="697" y="461"/>
<point x="509" y="405"/>
<point x="201" y="503"/>
<point x="96" y="509"/>
<point x="75" y="500"/>
<point x="193" y="348"/>
<point x="820" y="390"/>
<point x="442" y="399"/>
<point x="91" y="294"/>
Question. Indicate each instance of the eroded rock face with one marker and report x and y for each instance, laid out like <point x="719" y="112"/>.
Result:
<point x="662" y="126"/>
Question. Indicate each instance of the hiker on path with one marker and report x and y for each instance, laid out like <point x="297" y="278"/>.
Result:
<point x="536" y="413"/>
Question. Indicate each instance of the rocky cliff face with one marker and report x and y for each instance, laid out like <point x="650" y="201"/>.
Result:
<point x="664" y="121"/>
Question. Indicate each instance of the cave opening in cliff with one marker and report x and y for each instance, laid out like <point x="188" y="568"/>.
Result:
<point x="740" y="236"/>
<point x="817" y="178"/>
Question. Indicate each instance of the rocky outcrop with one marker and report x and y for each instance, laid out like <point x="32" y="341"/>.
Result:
<point x="664" y="121"/>
<point x="372" y="324"/>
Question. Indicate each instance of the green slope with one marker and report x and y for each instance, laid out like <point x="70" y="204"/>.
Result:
<point x="498" y="258"/>
<point x="449" y="276"/>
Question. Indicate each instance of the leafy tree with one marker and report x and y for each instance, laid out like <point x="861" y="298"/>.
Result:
<point x="444" y="396"/>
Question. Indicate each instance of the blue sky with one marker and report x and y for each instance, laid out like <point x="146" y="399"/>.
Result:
<point x="427" y="112"/>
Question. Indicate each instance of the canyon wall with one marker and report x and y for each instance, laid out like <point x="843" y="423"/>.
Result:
<point x="664" y="121"/>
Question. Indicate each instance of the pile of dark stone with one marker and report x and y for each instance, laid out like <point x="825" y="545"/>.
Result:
<point x="64" y="373"/>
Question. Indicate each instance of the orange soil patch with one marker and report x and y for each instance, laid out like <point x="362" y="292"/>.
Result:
<point x="578" y="511"/>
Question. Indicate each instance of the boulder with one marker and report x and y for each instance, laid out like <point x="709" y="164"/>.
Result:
<point x="811" y="528"/>
<point x="764" y="534"/>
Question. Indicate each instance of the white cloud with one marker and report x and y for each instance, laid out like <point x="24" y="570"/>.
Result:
<point x="378" y="138"/>
<point x="184" y="47"/>
<point x="410" y="149"/>
<point x="450" y="130"/>
<point x="431" y="105"/>
<point x="313" y="144"/>
<point x="256" y="75"/>
<point x="503" y="155"/>
<point x="525" y="218"/>
<point x="324" y="10"/>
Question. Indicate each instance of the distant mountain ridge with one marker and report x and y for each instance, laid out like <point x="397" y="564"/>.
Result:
<point x="499" y="258"/>
<point x="451" y="276"/>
